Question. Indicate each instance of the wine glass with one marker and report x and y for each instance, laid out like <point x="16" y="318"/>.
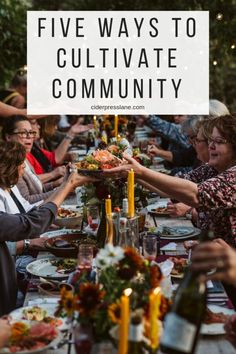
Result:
<point x="93" y="217"/>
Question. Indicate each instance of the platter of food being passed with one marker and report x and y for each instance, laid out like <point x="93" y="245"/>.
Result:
<point x="94" y="164"/>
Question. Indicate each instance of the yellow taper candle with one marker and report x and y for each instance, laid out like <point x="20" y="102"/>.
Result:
<point x="109" y="226"/>
<point x="124" y="322"/>
<point x="131" y="207"/>
<point x="116" y="126"/>
<point x="95" y="123"/>
<point x="108" y="205"/>
<point x="154" y="308"/>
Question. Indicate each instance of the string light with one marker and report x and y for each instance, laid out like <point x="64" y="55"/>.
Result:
<point x="232" y="46"/>
<point x="214" y="62"/>
<point x="219" y="16"/>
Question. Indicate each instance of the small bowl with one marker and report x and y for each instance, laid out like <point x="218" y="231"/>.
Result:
<point x="73" y="222"/>
<point x="70" y="251"/>
<point x="48" y="288"/>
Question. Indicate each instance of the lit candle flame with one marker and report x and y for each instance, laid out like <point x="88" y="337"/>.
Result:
<point x="128" y="292"/>
<point x="156" y="290"/>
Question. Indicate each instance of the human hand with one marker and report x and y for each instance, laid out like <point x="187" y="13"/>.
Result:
<point x="216" y="259"/>
<point x="153" y="150"/>
<point x="37" y="244"/>
<point x="58" y="182"/>
<point x="123" y="169"/>
<point x="59" y="171"/>
<point x="77" y="128"/>
<point x="177" y="209"/>
<point x="75" y="180"/>
<point x="5" y="331"/>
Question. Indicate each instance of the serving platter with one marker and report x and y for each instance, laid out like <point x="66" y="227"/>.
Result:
<point x="176" y="233"/>
<point x="92" y="173"/>
<point x="52" y="344"/>
<point x="49" y="309"/>
<point x="216" y="328"/>
<point x="60" y="232"/>
<point x="44" y="268"/>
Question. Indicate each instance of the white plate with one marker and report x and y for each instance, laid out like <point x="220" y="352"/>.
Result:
<point x="17" y="315"/>
<point x="216" y="328"/>
<point x="192" y="233"/>
<point x="159" y="204"/>
<point x="60" y="232"/>
<point x="44" y="268"/>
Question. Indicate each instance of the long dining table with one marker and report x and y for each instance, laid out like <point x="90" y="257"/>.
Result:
<point x="212" y="344"/>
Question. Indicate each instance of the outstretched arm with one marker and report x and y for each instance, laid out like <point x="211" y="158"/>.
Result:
<point x="177" y="188"/>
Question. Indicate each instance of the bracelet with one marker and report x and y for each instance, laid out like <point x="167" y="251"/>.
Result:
<point x="68" y="137"/>
<point x="26" y="245"/>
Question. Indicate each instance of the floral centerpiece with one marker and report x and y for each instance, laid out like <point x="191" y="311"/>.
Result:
<point x="99" y="305"/>
<point x="107" y="124"/>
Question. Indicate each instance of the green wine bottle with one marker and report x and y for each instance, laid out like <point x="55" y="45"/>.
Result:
<point x="182" y="324"/>
<point x="102" y="228"/>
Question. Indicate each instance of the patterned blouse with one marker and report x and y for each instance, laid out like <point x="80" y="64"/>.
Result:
<point x="217" y="198"/>
<point x="217" y="210"/>
<point x="200" y="174"/>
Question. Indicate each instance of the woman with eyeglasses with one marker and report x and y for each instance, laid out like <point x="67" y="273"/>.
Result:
<point x="44" y="161"/>
<point x="19" y="129"/>
<point x="212" y="198"/>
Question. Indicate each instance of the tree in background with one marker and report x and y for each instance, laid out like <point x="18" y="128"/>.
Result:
<point x="222" y="34"/>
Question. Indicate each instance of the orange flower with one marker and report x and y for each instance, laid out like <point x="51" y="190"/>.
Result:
<point x="114" y="312"/>
<point x="164" y="307"/>
<point x="89" y="298"/>
<point x="68" y="303"/>
<point x="155" y="276"/>
<point x="130" y="264"/>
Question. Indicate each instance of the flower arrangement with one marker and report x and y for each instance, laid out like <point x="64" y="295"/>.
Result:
<point x="99" y="305"/>
<point x="107" y="124"/>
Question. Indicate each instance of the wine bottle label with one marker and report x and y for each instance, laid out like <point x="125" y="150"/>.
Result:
<point x="135" y="333"/>
<point x="178" y="334"/>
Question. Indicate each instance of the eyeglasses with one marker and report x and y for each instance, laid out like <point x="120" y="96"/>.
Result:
<point x="217" y="141"/>
<point x="198" y="141"/>
<point x="26" y="134"/>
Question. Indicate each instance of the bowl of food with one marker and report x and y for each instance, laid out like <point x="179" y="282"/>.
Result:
<point x="69" y="218"/>
<point x="93" y="165"/>
<point x="66" y="246"/>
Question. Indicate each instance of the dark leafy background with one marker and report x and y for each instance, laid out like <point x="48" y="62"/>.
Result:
<point x="222" y="34"/>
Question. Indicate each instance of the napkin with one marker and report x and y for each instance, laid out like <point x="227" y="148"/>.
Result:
<point x="45" y="300"/>
<point x="171" y="246"/>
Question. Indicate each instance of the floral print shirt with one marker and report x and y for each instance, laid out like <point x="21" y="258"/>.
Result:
<point x="200" y="174"/>
<point x="217" y="205"/>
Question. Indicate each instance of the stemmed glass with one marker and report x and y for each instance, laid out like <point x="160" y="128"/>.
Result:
<point x="93" y="217"/>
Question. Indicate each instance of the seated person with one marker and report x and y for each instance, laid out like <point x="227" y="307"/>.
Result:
<point x="16" y="227"/>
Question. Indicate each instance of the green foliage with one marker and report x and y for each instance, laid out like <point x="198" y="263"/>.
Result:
<point x="13" y="37"/>
<point x="222" y="33"/>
